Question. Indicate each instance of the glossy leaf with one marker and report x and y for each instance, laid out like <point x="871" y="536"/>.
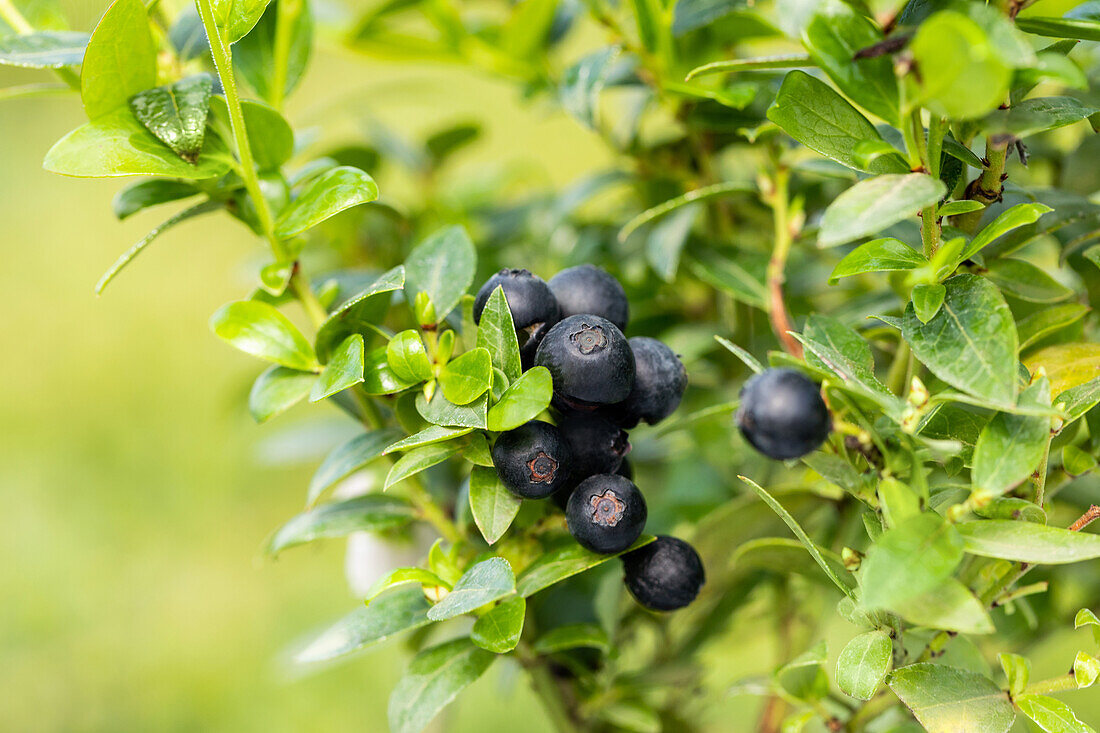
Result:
<point x="878" y="255"/>
<point x="876" y="203"/>
<point x="176" y="113"/>
<point x="235" y="18"/>
<point x="1025" y="281"/>
<point x="834" y="347"/>
<point x="269" y="134"/>
<point x="927" y="299"/>
<point x="120" y="61"/>
<point x="498" y="631"/>
<point x="945" y="699"/>
<point x="326" y="195"/>
<point x="442" y="266"/>
<point x="813" y="114"/>
<point x="427" y="436"/>
<point x="1076" y="401"/>
<point x="1046" y="321"/>
<point x="909" y="560"/>
<point x="1051" y="714"/>
<point x="487" y="581"/>
<point x="434" y="678"/>
<point x="116" y="144"/>
<point x="962" y="77"/>
<point x="44" y="49"/>
<point x="572" y="636"/>
<point x="144" y="194"/>
<point x="564" y="562"/>
<point x="1017" y="671"/>
<point x="1086" y="670"/>
<point x="497" y="333"/>
<point x="492" y="504"/>
<point x="370" y="513"/>
<point x="379" y="378"/>
<point x="261" y="330"/>
<point x="1080" y="28"/>
<point x="425" y="579"/>
<point x="277" y="390"/>
<point x="949" y="606"/>
<point x="343" y="370"/>
<point x="403" y="609"/>
<point x="1028" y="542"/>
<point x="359" y="312"/>
<point x="254" y="55"/>
<point x="1013" y="218"/>
<point x="420" y="459"/>
<point x="348" y="458"/>
<point x="1011" y="446"/>
<point x="779" y="61"/>
<point x="408" y="357"/>
<point x="524" y="400"/>
<point x="467" y="377"/>
<point x="1038" y="114"/>
<point x="804" y="677"/>
<point x="971" y="343"/>
<point x="441" y="412"/>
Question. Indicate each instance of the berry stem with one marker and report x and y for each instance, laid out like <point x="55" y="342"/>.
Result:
<point x="778" y="197"/>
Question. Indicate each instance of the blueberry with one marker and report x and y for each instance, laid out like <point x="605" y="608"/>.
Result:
<point x="533" y="460"/>
<point x="664" y="575"/>
<point x="588" y="289"/>
<point x="659" y="383"/>
<point x="589" y="359"/>
<point x="606" y="514"/>
<point x="534" y="308"/>
<point x="626" y="469"/>
<point x="598" y="445"/>
<point x="782" y="414"/>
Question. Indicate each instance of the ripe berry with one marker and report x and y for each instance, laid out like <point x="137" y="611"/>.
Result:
<point x="533" y="460"/>
<point x="534" y="308"/>
<point x="606" y="514"/>
<point x="589" y="359"/>
<point x="664" y="575"/>
<point x="659" y="383"/>
<point x="626" y="469"/>
<point x="588" y="289"/>
<point x="782" y="414"/>
<point x="597" y="444"/>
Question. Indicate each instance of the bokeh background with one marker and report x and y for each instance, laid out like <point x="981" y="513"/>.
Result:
<point x="136" y="491"/>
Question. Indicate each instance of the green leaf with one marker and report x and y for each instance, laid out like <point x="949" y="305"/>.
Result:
<point x="498" y="631"/>
<point x="359" y="312"/>
<point x="834" y="347"/>
<point x="1043" y="322"/>
<point x="427" y="436"/>
<point x="408" y="357"/>
<point x="467" y="377"/>
<point x="129" y="255"/>
<point x="477" y="451"/>
<point x="971" y="343"/>
<point x="1013" y="218"/>
<point x="927" y="299"/>
<point x="650" y="19"/>
<point x="1066" y="365"/>
<point x="435" y="678"/>
<point x="235" y="18"/>
<point x="425" y="579"/>
<point x="347" y="458"/>
<point x="750" y="361"/>
<point x="950" y="606"/>
<point x="139" y="196"/>
<point x="371" y="513"/>
<point x="443" y="266"/>
<point x="343" y="370"/>
<point x="402" y="610"/>
<point x="277" y="390"/>
<point x="121" y="59"/>
<point x="1017" y="671"/>
<point x="864" y="663"/>
<point x="784" y="556"/>
<point x="1051" y="714"/>
<point x="878" y="255"/>
<point x="526" y="30"/>
<point x="420" y="459"/>
<point x="497" y="333"/>
<point x="492" y="504"/>
<point x="945" y="699"/>
<point x="1082" y="29"/>
<point x="261" y="330"/>
<point x="572" y="636"/>
<point x="1010" y="447"/>
<point x="582" y="83"/>
<point x="804" y="677"/>
<point x="524" y="400"/>
<point x="1025" y="281"/>
<point x="1079" y="400"/>
<point x="441" y="412"/>
<point x="1077" y="462"/>
<point x="254" y="55"/>
<point x="1027" y="542"/>
<point x="844" y="582"/>
<point x="564" y="562"/>
<point x="908" y="560"/>
<point x="833" y="37"/>
<point x="44" y="49"/>
<point x="694" y="196"/>
<point x="116" y="144"/>
<point x="876" y="203"/>
<point x="730" y="278"/>
<point x="813" y="114"/>
<point x="779" y="61"/>
<point x="961" y="75"/>
<point x="666" y="240"/>
<point x="378" y="377"/>
<point x="952" y="208"/>
<point x="1036" y="115"/>
<point x="1086" y="669"/>
<point x="269" y="134"/>
<point x="487" y="581"/>
<point x="176" y="113"/>
<point x="326" y="195"/>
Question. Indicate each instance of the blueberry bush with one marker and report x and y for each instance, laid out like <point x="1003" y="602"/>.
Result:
<point x="832" y="295"/>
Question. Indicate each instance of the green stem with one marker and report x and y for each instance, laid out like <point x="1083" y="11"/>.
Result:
<point x="899" y="370"/>
<point x="1056" y="684"/>
<point x="919" y="152"/>
<point x="1041" y="474"/>
<point x="870" y="710"/>
<point x="987" y="187"/>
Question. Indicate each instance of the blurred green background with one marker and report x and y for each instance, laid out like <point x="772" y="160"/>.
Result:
<point x="135" y="487"/>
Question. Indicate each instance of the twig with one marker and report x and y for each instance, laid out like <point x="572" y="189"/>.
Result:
<point x="1086" y="519"/>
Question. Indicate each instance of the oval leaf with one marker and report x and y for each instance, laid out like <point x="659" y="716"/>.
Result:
<point x="277" y="390"/>
<point x="876" y="203"/>
<point x="261" y="330"/>
<point x="121" y="59"/>
<point x="44" y="49"/>
<point x="371" y="513"/>
<point x="432" y="681"/>
<point x="498" y="631"/>
<point x="347" y="458"/>
<point x="343" y="370"/>
<point x="1027" y="542"/>
<point x="492" y="504"/>
<point x="487" y="581"/>
<point x="946" y="699"/>
<point x="442" y="266"/>
<point x="524" y="400"/>
<point x="326" y="195"/>
<point x="387" y="615"/>
<point x="176" y="113"/>
<point x="467" y="377"/>
<point x="864" y="663"/>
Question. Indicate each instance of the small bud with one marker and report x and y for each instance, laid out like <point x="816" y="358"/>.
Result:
<point x="424" y="311"/>
<point x="956" y="512"/>
<point x="1040" y="373"/>
<point x="981" y="498"/>
<point x="435" y="593"/>
<point x="918" y="393"/>
<point x="852" y="558"/>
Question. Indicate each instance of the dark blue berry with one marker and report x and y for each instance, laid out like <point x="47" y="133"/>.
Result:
<point x="533" y="460"/>
<point x="589" y="359"/>
<point x="533" y="307"/>
<point x="588" y="289"/>
<point x="659" y="383"/>
<point x="782" y="414"/>
<point x="606" y="514"/>
<point x="664" y="575"/>
<point x="597" y="444"/>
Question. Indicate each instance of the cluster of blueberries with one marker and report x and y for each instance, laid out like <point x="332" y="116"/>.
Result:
<point x="604" y="385"/>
